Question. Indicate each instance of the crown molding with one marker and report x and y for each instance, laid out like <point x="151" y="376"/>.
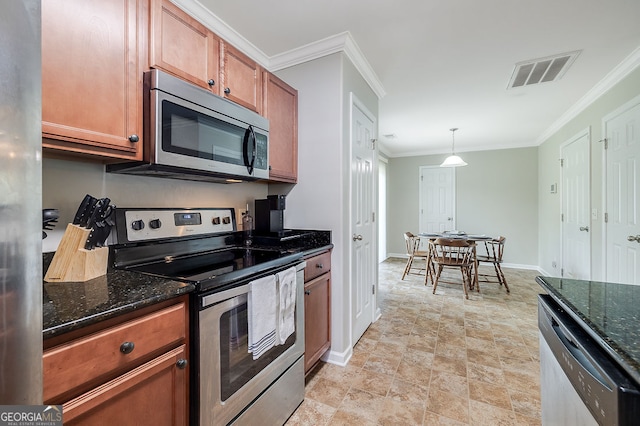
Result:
<point x="222" y="29"/>
<point x="623" y="69"/>
<point x="317" y="49"/>
<point x="342" y="42"/>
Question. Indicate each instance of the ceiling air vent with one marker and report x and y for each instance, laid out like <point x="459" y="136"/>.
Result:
<point x="541" y="70"/>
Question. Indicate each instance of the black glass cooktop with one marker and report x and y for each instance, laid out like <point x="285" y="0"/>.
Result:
<point x="212" y="268"/>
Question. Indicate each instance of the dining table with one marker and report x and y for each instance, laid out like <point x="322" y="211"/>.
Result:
<point x="454" y="235"/>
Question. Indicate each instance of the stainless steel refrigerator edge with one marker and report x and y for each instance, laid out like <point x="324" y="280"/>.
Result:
<point x="20" y="203"/>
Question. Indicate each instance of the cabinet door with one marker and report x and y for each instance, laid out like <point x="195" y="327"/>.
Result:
<point x="183" y="46"/>
<point x="92" y="76"/>
<point x="241" y="78"/>
<point x="154" y="393"/>
<point x="280" y="106"/>
<point x="317" y="322"/>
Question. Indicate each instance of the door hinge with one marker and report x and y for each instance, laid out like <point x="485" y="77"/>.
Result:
<point x="373" y="217"/>
<point x="605" y="142"/>
<point x="561" y="217"/>
<point x="606" y="218"/>
<point x="373" y="289"/>
<point x="562" y="162"/>
<point x="562" y="272"/>
<point x="373" y="143"/>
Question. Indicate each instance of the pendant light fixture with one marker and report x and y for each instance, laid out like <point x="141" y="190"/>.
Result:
<point x="453" y="160"/>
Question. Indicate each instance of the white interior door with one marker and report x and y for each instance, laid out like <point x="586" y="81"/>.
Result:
<point x="622" y="228"/>
<point x="437" y="199"/>
<point x="363" y="265"/>
<point x="575" y="189"/>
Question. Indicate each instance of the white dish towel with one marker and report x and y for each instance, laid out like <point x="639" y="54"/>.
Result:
<point x="286" y="320"/>
<point x="262" y="308"/>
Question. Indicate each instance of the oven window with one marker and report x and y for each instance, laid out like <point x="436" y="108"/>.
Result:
<point x="188" y="132"/>
<point x="237" y="366"/>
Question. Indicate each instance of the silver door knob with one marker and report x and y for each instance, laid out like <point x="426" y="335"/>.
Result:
<point x="584" y="228"/>
<point x="357" y="237"/>
<point x="449" y="218"/>
<point x="635" y="238"/>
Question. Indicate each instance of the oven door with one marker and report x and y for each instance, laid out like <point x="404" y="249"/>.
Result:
<point x="229" y="379"/>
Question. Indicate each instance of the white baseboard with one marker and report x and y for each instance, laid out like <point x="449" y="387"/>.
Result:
<point x="397" y="255"/>
<point x="520" y="266"/>
<point x="341" y="359"/>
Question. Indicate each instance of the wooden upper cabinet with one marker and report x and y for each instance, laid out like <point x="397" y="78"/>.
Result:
<point x="92" y="63"/>
<point x="183" y="46"/>
<point x="281" y="108"/>
<point x="241" y="78"/>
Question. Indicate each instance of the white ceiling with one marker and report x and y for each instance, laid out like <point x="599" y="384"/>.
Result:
<point x="446" y="64"/>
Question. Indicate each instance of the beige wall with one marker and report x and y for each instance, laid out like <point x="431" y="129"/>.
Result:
<point x="496" y="194"/>
<point x="549" y="173"/>
<point x="65" y="183"/>
<point x="320" y="199"/>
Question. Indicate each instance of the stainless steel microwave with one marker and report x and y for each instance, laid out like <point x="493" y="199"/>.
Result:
<point x="190" y="133"/>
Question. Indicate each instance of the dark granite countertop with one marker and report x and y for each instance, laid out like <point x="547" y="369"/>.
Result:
<point x="70" y="306"/>
<point x="610" y="312"/>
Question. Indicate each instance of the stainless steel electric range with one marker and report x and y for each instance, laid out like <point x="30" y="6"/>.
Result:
<point x="202" y="246"/>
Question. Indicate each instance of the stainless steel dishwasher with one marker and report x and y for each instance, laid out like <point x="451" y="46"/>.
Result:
<point x="580" y="383"/>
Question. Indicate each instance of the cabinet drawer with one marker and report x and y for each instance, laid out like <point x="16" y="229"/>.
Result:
<point x="70" y="365"/>
<point x="317" y="265"/>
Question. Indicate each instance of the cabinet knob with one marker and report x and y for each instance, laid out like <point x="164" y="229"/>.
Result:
<point x="227" y="90"/>
<point x="134" y="138"/>
<point x="211" y="82"/>
<point x="181" y="363"/>
<point x="307" y="292"/>
<point x="319" y="265"/>
<point x="127" y="347"/>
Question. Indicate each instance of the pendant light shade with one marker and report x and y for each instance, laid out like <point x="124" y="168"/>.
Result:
<point x="453" y="160"/>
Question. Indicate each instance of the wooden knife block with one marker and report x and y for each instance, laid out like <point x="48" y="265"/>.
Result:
<point x="72" y="262"/>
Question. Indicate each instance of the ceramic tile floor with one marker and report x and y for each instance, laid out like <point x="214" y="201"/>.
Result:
<point x="436" y="359"/>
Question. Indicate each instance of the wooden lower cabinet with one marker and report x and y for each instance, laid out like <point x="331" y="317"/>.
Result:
<point x="132" y="370"/>
<point x="317" y="309"/>
<point x="154" y="393"/>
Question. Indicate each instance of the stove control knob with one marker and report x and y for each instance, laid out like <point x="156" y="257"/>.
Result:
<point x="137" y="225"/>
<point x="226" y="220"/>
<point x="155" y="224"/>
<point x="216" y="220"/>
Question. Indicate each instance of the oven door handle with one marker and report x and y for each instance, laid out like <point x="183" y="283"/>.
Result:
<point x="214" y="298"/>
<point x="249" y="133"/>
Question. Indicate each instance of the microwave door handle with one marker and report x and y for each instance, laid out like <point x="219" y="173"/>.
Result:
<point x="245" y="149"/>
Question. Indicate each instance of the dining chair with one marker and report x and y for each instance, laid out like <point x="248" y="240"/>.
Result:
<point x="413" y="244"/>
<point x="455" y="253"/>
<point x="493" y="254"/>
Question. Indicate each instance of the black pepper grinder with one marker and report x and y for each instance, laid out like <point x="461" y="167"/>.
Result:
<point x="247" y="227"/>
